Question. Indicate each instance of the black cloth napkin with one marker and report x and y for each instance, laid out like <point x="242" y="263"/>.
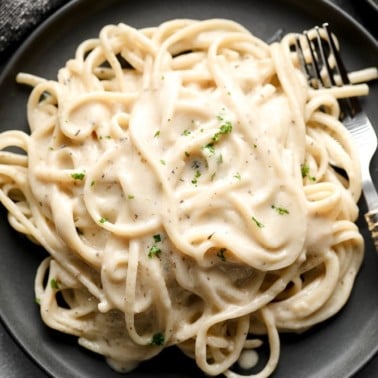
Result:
<point x="18" y="18"/>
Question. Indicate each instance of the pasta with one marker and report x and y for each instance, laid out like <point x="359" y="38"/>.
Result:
<point x="190" y="190"/>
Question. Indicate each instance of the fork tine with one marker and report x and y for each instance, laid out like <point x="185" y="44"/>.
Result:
<point x="339" y="65"/>
<point x="325" y="63"/>
<point x="302" y="60"/>
<point x="311" y="69"/>
<point x="318" y="70"/>
<point x="314" y="62"/>
<point x="353" y="105"/>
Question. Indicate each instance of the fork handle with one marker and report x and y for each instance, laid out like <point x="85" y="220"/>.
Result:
<point x="372" y="222"/>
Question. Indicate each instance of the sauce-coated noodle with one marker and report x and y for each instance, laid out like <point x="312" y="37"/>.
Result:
<point x="186" y="184"/>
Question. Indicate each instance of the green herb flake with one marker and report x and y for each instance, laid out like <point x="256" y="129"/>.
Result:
<point x="157" y="238"/>
<point x="305" y="170"/>
<point x="158" y="339"/>
<point x="215" y="137"/>
<point x="210" y="148"/>
<point x="154" y="251"/>
<point x="130" y="196"/>
<point x="221" y="254"/>
<point x="187" y="154"/>
<point x="54" y="284"/>
<point x="103" y="220"/>
<point x="226" y="128"/>
<point x="258" y="223"/>
<point x="78" y="176"/>
<point x="93" y="183"/>
<point x="186" y="132"/>
<point x="197" y="175"/>
<point x="280" y="210"/>
<point x="237" y="176"/>
<point x="163" y="162"/>
<point x="37" y="300"/>
<point x="157" y="133"/>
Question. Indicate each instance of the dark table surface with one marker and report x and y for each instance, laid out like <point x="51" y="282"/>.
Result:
<point x="15" y="363"/>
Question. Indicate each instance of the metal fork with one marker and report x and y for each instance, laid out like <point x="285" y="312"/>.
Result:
<point x="320" y="74"/>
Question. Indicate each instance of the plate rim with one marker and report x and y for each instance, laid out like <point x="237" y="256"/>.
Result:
<point x="70" y="7"/>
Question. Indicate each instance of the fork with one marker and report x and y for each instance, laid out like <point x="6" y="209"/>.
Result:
<point x="320" y="74"/>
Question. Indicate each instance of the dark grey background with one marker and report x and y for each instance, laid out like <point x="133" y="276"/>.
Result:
<point x="14" y="363"/>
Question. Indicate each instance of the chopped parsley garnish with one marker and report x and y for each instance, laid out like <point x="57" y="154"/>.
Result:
<point x="163" y="162"/>
<point x="157" y="133"/>
<point x="280" y="210"/>
<point x="225" y="128"/>
<point x="237" y="176"/>
<point x="103" y="220"/>
<point x="197" y="175"/>
<point x="210" y="147"/>
<point x="37" y="300"/>
<point x="158" y="339"/>
<point x="258" y="223"/>
<point x="221" y="254"/>
<point x="155" y="249"/>
<point x="130" y="196"/>
<point x="54" y="284"/>
<point x="186" y="132"/>
<point x="78" y="176"/>
<point x="305" y="170"/>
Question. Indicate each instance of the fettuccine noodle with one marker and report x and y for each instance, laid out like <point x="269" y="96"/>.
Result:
<point x="190" y="189"/>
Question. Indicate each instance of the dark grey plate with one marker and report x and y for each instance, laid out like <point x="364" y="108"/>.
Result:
<point x="336" y="348"/>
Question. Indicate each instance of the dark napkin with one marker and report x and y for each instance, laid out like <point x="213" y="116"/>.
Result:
<point x="18" y="18"/>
